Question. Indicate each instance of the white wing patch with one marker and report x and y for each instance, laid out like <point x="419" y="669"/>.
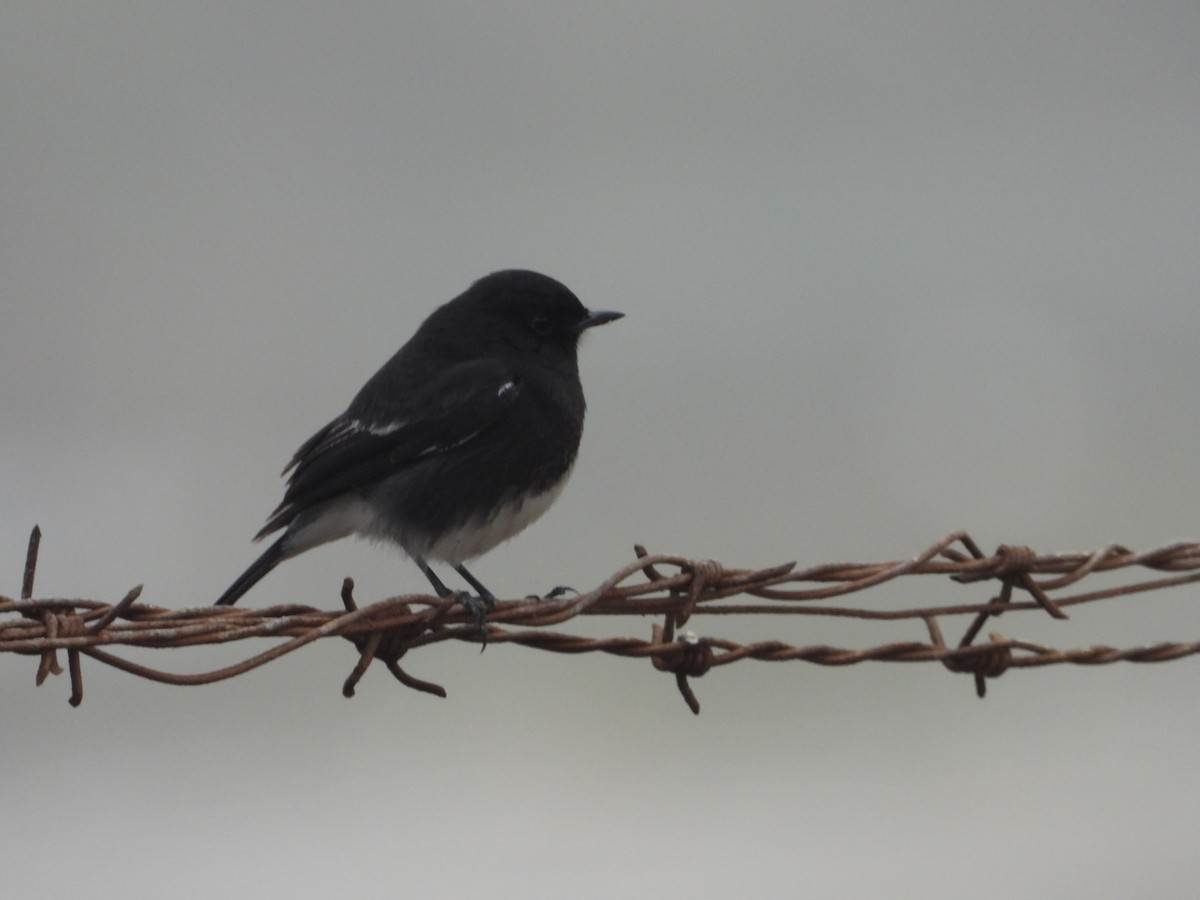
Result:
<point x="380" y="430"/>
<point x="355" y="426"/>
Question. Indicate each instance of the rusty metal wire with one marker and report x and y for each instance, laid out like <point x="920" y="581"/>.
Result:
<point x="674" y="587"/>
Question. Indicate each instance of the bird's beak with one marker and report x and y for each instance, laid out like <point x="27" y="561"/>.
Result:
<point x="599" y="317"/>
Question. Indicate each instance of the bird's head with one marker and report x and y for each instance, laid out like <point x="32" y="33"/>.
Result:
<point x="528" y="312"/>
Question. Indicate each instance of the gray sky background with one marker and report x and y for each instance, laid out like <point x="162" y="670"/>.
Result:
<point x="889" y="270"/>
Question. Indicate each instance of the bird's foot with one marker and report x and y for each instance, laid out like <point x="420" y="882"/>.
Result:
<point x="553" y="594"/>
<point x="478" y="607"/>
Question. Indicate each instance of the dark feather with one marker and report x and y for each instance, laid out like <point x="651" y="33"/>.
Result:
<point x="355" y="450"/>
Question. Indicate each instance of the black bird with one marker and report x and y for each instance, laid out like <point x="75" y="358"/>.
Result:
<point x="460" y="441"/>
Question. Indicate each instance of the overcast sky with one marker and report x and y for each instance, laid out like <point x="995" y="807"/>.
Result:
<point x="888" y="270"/>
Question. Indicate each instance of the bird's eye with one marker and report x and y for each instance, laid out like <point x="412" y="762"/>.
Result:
<point x="541" y="325"/>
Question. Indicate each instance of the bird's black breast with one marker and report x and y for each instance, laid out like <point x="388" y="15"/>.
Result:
<point x="525" y="452"/>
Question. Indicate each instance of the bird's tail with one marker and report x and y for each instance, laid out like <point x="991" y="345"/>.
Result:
<point x="272" y="557"/>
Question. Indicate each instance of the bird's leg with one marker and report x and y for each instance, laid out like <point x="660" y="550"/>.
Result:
<point x="438" y="586"/>
<point x="476" y="606"/>
<point x="486" y="597"/>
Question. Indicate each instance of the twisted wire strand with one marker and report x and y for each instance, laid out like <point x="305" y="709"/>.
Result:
<point x="675" y="587"/>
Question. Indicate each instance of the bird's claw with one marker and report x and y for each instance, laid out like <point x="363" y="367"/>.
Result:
<point x="478" y="607"/>
<point x="553" y="593"/>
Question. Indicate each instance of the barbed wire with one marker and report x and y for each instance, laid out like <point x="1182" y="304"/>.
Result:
<point x="674" y="587"/>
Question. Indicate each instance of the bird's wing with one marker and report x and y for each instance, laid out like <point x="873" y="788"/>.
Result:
<point x="352" y="451"/>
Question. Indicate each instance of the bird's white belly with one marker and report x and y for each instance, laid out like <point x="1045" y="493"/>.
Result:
<point x="476" y="537"/>
<point x="343" y="517"/>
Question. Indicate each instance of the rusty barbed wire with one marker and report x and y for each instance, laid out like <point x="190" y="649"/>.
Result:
<point x="674" y="587"/>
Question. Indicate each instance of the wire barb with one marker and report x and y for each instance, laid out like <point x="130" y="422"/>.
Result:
<point x="31" y="556"/>
<point x="676" y="588"/>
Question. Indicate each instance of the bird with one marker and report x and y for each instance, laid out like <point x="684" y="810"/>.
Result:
<point x="459" y="442"/>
